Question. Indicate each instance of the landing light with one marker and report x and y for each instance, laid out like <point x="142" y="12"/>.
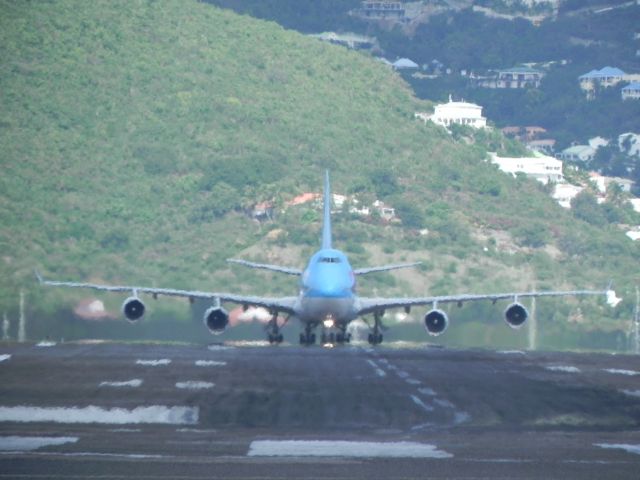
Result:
<point x="328" y="323"/>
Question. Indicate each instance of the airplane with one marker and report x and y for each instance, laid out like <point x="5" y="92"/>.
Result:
<point x="327" y="297"/>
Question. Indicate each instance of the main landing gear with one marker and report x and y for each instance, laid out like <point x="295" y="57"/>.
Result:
<point x="375" y="337"/>
<point x="307" y="337"/>
<point x="273" y="330"/>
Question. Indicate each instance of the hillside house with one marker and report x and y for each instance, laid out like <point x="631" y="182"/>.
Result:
<point x="460" y="113"/>
<point x="608" y="77"/>
<point x="631" y="91"/>
<point x="578" y="153"/>
<point x="602" y="183"/>
<point x="546" y="145"/>
<point x="541" y="167"/>
<point x="405" y="64"/>
<point x="517" y="77"/>
<point x="605" y="77"/>
<point x="381" y="10"/>
<point x="563" y="193"/>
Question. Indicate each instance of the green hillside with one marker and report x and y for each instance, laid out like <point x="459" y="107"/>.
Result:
<point x="134" y="133"/>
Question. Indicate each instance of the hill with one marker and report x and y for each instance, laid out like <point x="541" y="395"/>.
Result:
<point x="135" y="133"/>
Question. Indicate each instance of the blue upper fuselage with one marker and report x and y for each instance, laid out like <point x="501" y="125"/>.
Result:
<point x="328" y="275"/>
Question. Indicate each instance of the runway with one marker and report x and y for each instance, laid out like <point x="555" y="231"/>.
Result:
<point x="120" y="411"/>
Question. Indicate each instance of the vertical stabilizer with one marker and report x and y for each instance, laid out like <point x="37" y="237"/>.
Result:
<point x="326" y="219"/>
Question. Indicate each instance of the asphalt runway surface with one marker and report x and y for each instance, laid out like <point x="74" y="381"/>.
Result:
<point x="116" y="411"/>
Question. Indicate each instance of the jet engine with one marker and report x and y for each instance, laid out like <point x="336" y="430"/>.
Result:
<point x="216" y="319"/>
<point x="436" y="322"/>
<point x="133" y="308"/>
<point x="515" y="315"/>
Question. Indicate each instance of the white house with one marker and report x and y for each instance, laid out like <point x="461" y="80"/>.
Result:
<point x="543" y="168"/>
<point x="460" y="113"/>
<point x="563" y="193"/>
<point x="631" y="91"/>
<point x="605" y="77"/>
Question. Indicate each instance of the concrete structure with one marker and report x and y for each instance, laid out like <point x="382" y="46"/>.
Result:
<point x="631" y="91"/>
<point x="460" y="113"/>
<point x="350" y="40"/>
<point x="543" y="168"/>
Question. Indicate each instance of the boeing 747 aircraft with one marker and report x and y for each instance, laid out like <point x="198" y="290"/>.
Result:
<point x="327" y="297"/>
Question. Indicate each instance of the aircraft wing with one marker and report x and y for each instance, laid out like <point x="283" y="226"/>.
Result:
<point x="281" y="304"/>
<point x="370" y="305"/>
<point x="384" y="268"/>
<point x="266" y="266"/>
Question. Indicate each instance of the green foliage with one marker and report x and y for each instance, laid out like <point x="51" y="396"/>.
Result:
<point x="135" y="134"/>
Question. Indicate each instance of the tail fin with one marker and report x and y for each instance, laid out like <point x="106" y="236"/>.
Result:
<point x="326" y="221"/>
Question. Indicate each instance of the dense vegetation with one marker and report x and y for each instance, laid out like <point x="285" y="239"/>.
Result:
<point x="471" y="41"/>
<point x="135" y="134"/>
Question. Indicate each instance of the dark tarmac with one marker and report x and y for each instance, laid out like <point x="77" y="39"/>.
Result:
<point x="116" y="411"/>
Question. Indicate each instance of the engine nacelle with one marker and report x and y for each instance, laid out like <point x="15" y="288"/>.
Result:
<point x="515" y="315"/>
<point x="436" y="322"/>
<point x="216" y="319"/>
<point x="133" y="309"/>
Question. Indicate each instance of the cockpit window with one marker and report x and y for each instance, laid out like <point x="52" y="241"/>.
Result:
<point x="329" y="259"/>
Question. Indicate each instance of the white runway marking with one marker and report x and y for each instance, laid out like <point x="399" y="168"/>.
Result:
<point x="631" y="393"/>
<point x="427" y="391"/>
<point x="511" y="352"/>
<point x="45" y="343"/>
<point x="4" y="357"/>
<point x="136" y="382"/>
<point x="92" y="414"/>
<point x="402" y="374"/>
<point x="217" y="348"/>
<point x="194" y="385"/>
<point x="381" y="373"/>
<point x="22" y="444"/>
<point x="563" y="368"/>
<point x="341" y="448"/>
<point x="154" y="363"/>
<point x="622" y="372"/>
<point x="421" y="404"/>
<point x="413" y="381"/>
<point x="622" y="446"/>
<point x="210" y="363"/>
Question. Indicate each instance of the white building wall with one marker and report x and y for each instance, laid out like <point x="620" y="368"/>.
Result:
<point x="543" y="168"/>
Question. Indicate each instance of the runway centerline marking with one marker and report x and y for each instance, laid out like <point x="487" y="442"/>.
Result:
<point x="421" y="404"/>
<point x="209" y="363"/>
<point x="154" y="363"/>
<point x="4" y="357"/>
<point x="342" y="448"/>
<point x="133" y="383"/>
<point x="563" y="368"/>
<point x="194" y="385"/>
<point x="380" y="372"/>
